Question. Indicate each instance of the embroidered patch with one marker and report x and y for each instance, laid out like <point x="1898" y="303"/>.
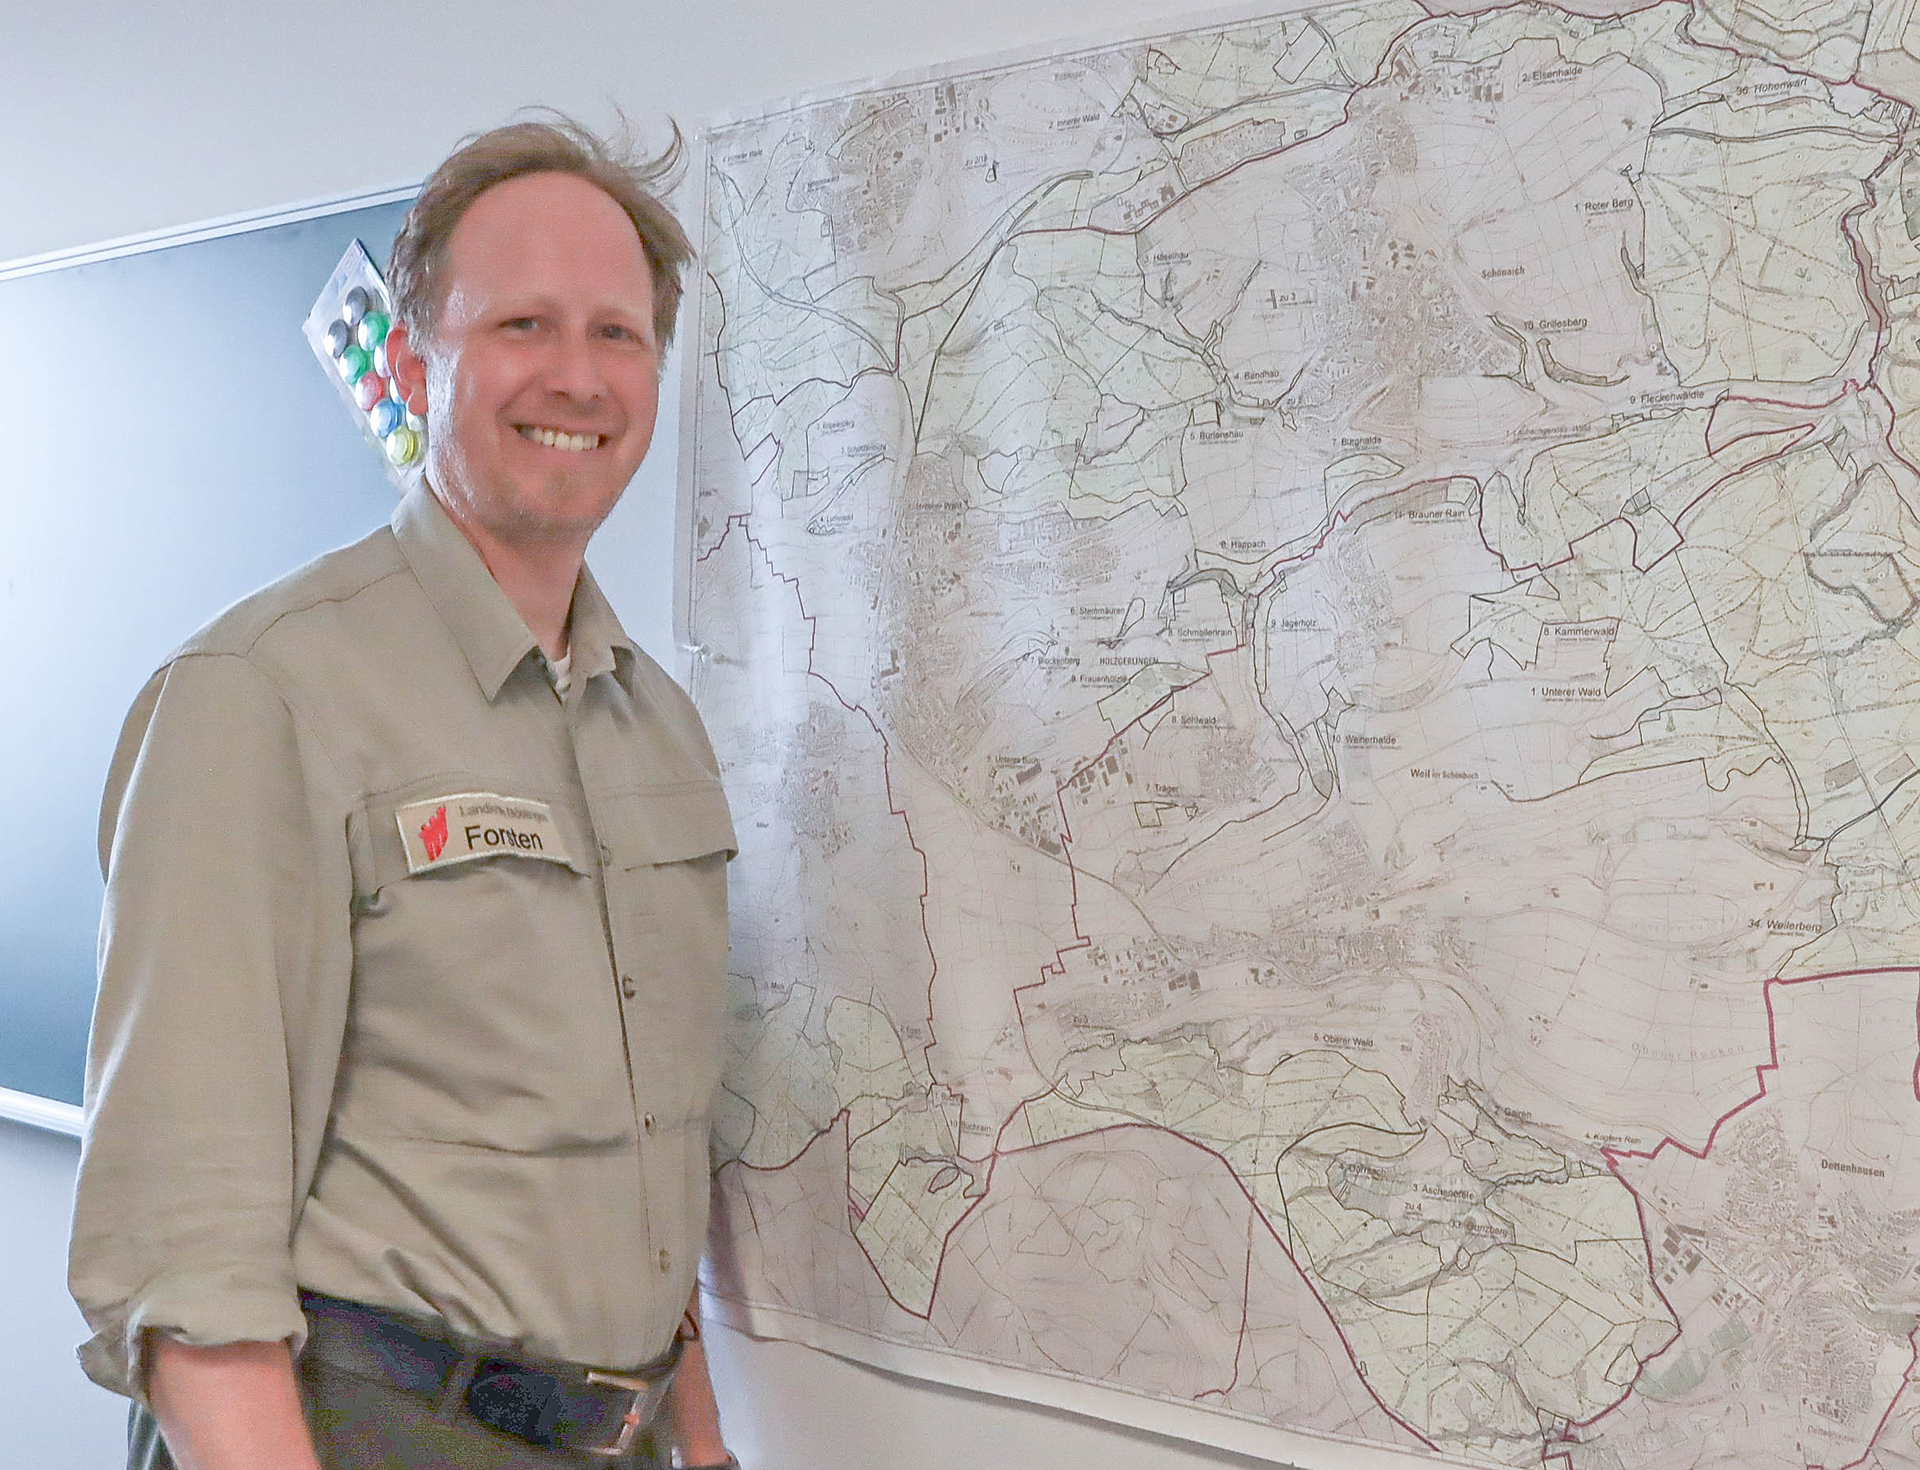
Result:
<point x="444" y="830"/>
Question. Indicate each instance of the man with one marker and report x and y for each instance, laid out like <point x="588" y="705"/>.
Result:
<point x="407" y="1035"/>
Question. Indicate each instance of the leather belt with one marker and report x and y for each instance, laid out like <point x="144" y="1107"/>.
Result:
<point x="550" y="1404"/>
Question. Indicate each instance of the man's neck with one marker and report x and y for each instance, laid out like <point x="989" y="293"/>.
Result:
<point x="538" y="577"/>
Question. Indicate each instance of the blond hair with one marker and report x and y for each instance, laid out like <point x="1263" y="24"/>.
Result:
<point x="554" y="143"/>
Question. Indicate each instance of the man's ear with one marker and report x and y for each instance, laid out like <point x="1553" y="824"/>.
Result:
<point x="407" y="369"/>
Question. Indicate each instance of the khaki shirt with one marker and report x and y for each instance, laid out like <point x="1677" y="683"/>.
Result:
<point x="479" y="1090"/>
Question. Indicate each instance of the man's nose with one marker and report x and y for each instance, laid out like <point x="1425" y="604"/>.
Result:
<point x="574" y="368"/>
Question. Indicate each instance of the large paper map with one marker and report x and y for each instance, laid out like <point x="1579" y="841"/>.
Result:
<point x="1312" y="627"/>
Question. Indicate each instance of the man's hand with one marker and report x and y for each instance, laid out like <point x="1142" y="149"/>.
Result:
<point x="690" y="1403"/>
<point x="234" y="1407"/>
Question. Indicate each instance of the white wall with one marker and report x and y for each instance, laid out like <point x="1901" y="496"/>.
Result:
<point x="50" y="1415"/>
<point x="126" y="117"/>
<point x="123" y="117"/>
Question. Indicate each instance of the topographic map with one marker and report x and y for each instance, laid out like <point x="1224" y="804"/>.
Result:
<point x="1311" y="622"/>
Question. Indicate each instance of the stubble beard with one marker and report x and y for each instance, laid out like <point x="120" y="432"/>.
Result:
<point x="514" y="514"/>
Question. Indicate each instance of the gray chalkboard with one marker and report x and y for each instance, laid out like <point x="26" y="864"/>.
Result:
<point x="170" y="445"/>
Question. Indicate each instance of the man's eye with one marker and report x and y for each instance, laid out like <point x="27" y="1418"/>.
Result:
<point x="619" y="333"/>
<point x="520" y="324"/>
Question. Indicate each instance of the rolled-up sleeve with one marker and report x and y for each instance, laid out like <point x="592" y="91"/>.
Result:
<point x="225" y="961"/>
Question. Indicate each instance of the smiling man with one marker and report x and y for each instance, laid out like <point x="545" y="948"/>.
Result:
<point x="411" y="961"/>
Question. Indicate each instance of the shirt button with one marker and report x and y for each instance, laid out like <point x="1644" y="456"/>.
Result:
<point x="627" y="986"/>
<point x="647" y="1122"/>
<point x="606" y="855"/>
<point x="665" y="1261"/>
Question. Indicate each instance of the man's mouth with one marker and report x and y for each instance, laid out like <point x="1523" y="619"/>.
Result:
<point x="559" y="438"/>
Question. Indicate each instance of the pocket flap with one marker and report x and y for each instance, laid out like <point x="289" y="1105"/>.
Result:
<point x="669" y="824"/>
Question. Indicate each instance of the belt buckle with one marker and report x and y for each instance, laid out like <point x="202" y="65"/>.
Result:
<point x="646" y="1396"/>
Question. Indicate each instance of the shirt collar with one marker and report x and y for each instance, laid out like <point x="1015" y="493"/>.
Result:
<point x="489" y="630"/>
<point x="594" y="635"/>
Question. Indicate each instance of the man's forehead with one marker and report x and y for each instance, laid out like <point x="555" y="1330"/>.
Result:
<point x="546" y="229"/>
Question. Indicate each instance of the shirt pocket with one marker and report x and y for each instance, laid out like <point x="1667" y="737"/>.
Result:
<point x="667" y="851"/>
<point x="481" y="1008"/>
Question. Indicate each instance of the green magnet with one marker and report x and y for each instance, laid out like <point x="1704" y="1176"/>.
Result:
<point x="373" y="329"/>
<point x="354" y="363"/>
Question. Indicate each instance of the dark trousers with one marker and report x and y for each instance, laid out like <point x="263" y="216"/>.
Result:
<point x="358" y="1424"/>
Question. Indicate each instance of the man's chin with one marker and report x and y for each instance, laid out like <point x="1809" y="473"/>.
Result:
<point x="560" y="511"/>
<point x="544" y="525"/>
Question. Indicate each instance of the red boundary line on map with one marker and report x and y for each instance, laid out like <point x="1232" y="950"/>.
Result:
<point x="1762" y="1071"/>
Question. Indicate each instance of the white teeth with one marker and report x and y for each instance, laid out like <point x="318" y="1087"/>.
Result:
<point x="559" y="438"/>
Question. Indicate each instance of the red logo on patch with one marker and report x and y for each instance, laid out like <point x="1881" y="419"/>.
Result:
<point x="433" y="832"/>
